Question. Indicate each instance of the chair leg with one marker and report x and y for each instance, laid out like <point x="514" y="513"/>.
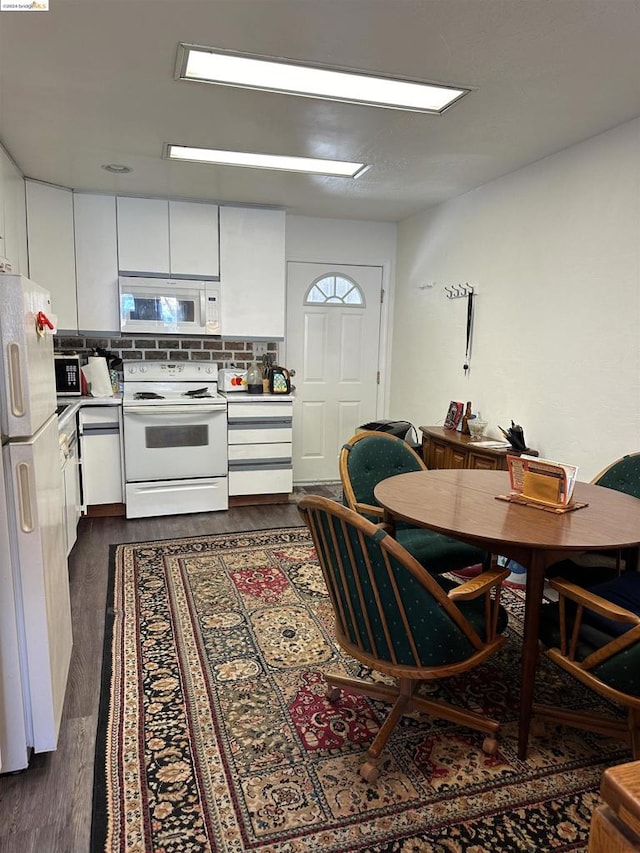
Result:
<point x="376" y="690"/>
<point x="370" y="770"/>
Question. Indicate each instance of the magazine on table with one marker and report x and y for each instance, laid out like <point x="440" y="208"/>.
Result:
<point x="542" y="480"/>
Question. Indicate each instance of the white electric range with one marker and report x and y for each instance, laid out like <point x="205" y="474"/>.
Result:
<point x="175" y="438"/>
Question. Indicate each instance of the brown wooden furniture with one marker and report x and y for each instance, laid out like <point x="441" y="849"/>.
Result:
<point x="615" y="824"/>
<point x="446" y="448"/>
<point x="394" y="617"/>
<point x="582" y="656"/>
<point x="462" y="503"/>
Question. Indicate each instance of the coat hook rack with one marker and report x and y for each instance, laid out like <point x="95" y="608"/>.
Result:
<point x="458" y="291"/>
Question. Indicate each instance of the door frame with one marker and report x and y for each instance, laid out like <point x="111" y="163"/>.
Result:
<point x="386" y="313"/>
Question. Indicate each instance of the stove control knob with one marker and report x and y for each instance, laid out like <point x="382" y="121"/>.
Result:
<point x="132" y="369"/>
<point x="143" y="369"/>
<point x="209" y="370"/>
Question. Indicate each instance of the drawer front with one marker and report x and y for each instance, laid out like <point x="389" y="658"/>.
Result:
<point x="244" y="411"/>
<point x="261" y="482"/>
<point x="479" y="462"/>
<point x="264" y="434"/>
<point x="456" y="458"/>
<point x="96" y="415"/>
<point x="280" y="451"/>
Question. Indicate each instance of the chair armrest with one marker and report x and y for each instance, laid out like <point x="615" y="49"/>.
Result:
<point x="594" y="603"/>
<point x="478" y="585"/>
<point x="369" y="509"/>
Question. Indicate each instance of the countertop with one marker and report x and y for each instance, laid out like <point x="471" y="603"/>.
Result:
<point x="245" y="397"/>
<point x="73" y="403"/>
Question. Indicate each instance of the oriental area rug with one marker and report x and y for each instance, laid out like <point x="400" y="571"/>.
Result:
<point x="215" y="733"/>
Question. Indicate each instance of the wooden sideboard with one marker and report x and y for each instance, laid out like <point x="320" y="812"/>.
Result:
<point x="446" y="448"/>
<point x="615" y="824"/>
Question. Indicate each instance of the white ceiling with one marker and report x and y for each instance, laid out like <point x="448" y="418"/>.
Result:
<point x="92" y="82"/>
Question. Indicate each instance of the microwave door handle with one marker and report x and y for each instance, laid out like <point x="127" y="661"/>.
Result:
<point x="203" y="310"/>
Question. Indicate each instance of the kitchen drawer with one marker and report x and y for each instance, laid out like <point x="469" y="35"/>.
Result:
<point x="97" y="416"/>
<point x="260" y="452"/>
<point x="268" y="409"/>
<point x="261" y="481"/>
<point x="273" y="433"/>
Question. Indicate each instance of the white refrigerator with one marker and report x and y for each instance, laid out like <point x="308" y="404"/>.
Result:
<point x="35" y="612"/>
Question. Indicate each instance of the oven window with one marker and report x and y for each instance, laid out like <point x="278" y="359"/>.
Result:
<point x="164" y="309"/>
<point x="163" y="437"/>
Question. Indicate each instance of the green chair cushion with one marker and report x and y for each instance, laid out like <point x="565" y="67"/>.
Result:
<point x="377" y="458"/>
<point x="438" y="639"/>
<point x="624" y="476"/>
<point x="436" y="552"/>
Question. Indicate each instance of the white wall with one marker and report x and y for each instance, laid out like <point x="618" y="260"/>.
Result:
<point x="554" y="253"/>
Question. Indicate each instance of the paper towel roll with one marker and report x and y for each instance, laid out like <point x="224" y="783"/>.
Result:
<point x="96" y="373"/>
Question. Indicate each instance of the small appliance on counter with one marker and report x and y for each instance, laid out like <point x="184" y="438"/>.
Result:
<point x="230" y="379"/>
<point x="68" y="376"/>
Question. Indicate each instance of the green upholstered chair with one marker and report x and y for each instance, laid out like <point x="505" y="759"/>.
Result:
<point x="370" y="457"/>
<point x="623" y="475"/>
<point x="594" y="634"/>
<point x="395" y="617"/>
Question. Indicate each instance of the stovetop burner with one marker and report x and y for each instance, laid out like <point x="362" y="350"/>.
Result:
<point x="198" y="392"/>
<point x="147" y="395"/>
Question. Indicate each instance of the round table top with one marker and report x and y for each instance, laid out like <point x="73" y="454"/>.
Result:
<point x="462" y="503"/>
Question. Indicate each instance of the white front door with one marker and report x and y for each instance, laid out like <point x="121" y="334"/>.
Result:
<point x="333" y="342"/>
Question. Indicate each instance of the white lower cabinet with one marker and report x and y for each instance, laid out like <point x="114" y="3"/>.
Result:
<point x="260" y="433"/>
<point x="72" y="497"/>
<point x="101" y="455"/>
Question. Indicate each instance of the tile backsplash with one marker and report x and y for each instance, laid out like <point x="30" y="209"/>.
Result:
<point x="240" y="354"/>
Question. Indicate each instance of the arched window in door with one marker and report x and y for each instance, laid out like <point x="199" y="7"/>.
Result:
<point x="335" y="290"/>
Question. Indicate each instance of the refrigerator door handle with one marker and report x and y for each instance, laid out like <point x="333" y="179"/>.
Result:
<point x="15" y="381"/>
<point x="24" y="498"/>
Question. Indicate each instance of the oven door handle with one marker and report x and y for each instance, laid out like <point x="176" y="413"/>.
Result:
<point x="174" y="410"/>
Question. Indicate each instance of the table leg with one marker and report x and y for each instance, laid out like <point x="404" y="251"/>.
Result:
<point x="535" y="586"/>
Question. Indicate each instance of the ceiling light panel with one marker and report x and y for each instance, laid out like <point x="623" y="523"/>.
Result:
<point x="271" y="74"/>
<point x="311" y="165"/>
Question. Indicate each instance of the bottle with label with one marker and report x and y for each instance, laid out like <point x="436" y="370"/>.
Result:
<point x="465" y="420"/>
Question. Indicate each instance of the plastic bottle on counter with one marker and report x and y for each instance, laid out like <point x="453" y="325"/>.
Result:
<point x="254" y="378"/>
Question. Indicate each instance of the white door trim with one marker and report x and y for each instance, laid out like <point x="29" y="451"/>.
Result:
<point x="386" y="315"/>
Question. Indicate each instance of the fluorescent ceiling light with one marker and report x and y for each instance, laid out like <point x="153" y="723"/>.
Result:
<point x="335" y="168"/>
<point x="271" y="74"/>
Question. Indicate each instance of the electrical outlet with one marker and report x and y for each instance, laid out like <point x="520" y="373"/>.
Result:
<point x="259" y="348"/>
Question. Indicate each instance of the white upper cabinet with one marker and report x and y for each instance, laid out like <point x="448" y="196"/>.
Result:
<point x="96" y="263"/>
<point x="193" y="240"/>
<point x="167" y="238"/>
<point x="51" y="248"/>
<point x="252" y="272"/>
<point x="143" y="236"/>
<point x="14" y="233"/>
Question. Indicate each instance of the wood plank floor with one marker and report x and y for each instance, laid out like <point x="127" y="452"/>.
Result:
<point x="47" y="808"/>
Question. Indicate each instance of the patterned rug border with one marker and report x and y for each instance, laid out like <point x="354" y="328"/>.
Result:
<point x="99" y="812"/>
<point x="236" y="540"/>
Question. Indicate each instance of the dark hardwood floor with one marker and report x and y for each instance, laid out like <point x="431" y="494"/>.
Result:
<point x="47" y="808"/>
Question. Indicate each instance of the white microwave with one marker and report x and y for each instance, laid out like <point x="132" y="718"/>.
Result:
<point x="169" y="306"/>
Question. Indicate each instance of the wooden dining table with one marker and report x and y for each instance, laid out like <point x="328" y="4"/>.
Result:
<point x="464" y="504"/>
